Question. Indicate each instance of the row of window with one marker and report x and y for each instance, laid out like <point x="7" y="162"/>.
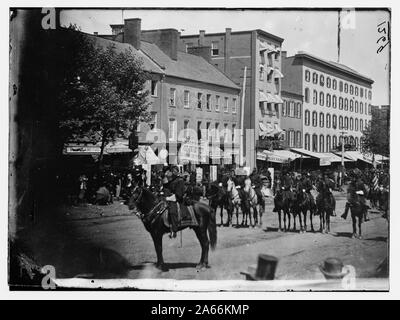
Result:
<point x="343" y="86"/>
<point x="291" y="109"/>
<point x="210" y="131"/>
<point x="202" y="100"/>
<point x="326" y="143"/>
<point x="332" y="101"/>
<point x="293" y="138"/>
<point x="331" y="121"/>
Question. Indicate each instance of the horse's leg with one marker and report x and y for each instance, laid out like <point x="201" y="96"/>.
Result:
<point x="157" y="239"/>
<point x="280" y="218"/>
<point x="359" y="227"/>
<point x="201" y="233"/>
<point x="328" y="221"/>
<point x="354" y="222"/>
<point x="305" y="219"/>
<point x="320" y="220"/>
<point x="311" y="222"/>
<point x="284" y="220"/>
<point x="255" y="216"/>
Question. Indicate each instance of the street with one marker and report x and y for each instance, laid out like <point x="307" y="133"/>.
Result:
<point x="110" y="242"/>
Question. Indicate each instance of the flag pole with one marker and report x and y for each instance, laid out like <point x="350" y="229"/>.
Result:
<point x="338" y="36"/>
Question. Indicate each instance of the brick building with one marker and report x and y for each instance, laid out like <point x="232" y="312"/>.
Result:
<point x="190" y="98"/>
<point x="292" y="119"/>
<point x="337" y="99"/>
<point x="260" y="53"/>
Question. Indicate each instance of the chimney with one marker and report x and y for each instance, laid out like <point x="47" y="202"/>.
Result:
<point x="96" y="33"/>
<point x="227" y="50"/>
<point x="284" y="54"/>
<point x="201" y="38"/>
<point x="132" y="32"/>
<point x="165" y="39"/>
<point x="204" y="52"/>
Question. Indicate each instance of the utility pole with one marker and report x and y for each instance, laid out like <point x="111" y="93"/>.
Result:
<point x="342" y="133"/>
<point x="241" y="143"/>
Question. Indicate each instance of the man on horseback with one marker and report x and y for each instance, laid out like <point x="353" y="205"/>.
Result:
<point x="306" y="185"/>
<point x="257" y="183"/>
<point x="174" y="190"/>
<point x="356" y="192"/>
<point x="286" y="185"/>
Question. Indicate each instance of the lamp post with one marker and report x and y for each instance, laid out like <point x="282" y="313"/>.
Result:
<point x="342" y="134"/>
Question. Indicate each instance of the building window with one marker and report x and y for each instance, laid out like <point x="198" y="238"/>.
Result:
<point x="314" y="118"/>
<point x="351" y="89"/>
<point x="340" y="122"/>
<point x="321" y="80"/>
<point x="328" y="143"/>
<point x="261" y="73"/>
<point x="307" y="95"/>
<point x="361" y="107"/>
<point x="351" y="124"/>
<point x="208" y="124"/>
<point x="356" y="139"/>
<point x="334" y="84"/>
<point x="199" y="136"/>
<point x="328" y="120"/>
<point x="340" y="103"/>
<point x="226" y="106"/>
<point x="226" y="131"/>
<point x="214" y="48"/>
<point x="356" y="91"/>
<point x="351" y="105"/>
<point x="298" y="110"/>
<point x="361" y="125"/>
<point x="188" y="45"/>
<point x="186" y="98"/>
<point x="361" y="92"/>
<point x="292" y="111"/>
<point x="321" y="143"/>
<point x="346" y="123"/>
<point x="154" y="88"/>
<point x="334" y="121"/>
<point x="307" y="118"/>
<point x="346" y="88"/>
<point x="321" y="120"/>
<point x="334" y="142"/>
<point x="346" y="104"/>
<point x="328" y="82"/>
<point x="172" y="129"/>
<point x="277" y="110"/>
<point x="291" y="138"/>
<point x="208" y="102"/>
<point x="369" y="109"/>
<point x="356" y="107"/>
<point x="369" y="95"/>
<point x="234" y="132"/>
<point x="315" y="78"/>
<point x="199" y="100"/>
<point x="328" y="100"/>
<point x="307" y="75"/>
<point x="321" y="98"/>
<point x="356" y="124"/>
<point x="172" y="93"/>
<point x="315" y="97"/>
<point x="284" y="108"/>
<point x="341" y="86"/>
<point x="315" y="143"/>
<point x="298" y="139"/>
<point x="307" y="141"/>
<point x="217" y="100"/>
<point x="334" y="102"/>
<point x="234" y="105"/>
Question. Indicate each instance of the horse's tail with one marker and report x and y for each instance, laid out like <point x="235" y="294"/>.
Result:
<point x="212" y="229"/>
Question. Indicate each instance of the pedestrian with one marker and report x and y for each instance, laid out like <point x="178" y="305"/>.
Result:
<point x="82" y="188"/>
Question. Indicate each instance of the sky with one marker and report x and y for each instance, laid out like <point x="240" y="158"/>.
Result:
<point x="312" y="31"/>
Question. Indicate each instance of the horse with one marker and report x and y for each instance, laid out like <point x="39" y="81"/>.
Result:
<point x="357" y="210"/>
<point x="283" y="202"/>
<point x="250" y="203"/>
<point x="325" y="207"/>
<point x="144" y="203"/>
<point x="217" y="197"/>
<point x="304" y="203"/>
<point x="234" y="202"/>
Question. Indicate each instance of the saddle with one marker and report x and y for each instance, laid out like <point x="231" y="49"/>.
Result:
<point x="186" y="217"/>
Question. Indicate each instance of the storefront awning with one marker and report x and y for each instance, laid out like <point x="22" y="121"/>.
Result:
<point x="335" y="158"/>
<point x="277" y="156"/>
<point x="357" y="155"/>
<point x="84" y="148"/>
<point x="277" y="99"/>
<point x="267" y="130"/>
<point x="266" y="97"/>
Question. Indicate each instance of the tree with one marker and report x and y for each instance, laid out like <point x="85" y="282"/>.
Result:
<point x="375" y="138"/>
<point x="102" y="96"/>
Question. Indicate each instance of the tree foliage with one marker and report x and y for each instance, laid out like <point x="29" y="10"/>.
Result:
<point x="102" y="94"/>
<point x="376" y="137"/>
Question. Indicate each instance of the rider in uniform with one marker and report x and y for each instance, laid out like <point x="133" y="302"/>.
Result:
<point x="174" y="191"/>
<point x="356" y="192"/>
<point x="257" y="182"/>
<point x="286" y="182"/>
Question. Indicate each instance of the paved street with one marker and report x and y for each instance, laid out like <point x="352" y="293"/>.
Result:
<point x="104" y="242"/>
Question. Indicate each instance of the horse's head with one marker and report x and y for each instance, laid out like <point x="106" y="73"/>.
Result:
<point x="230" y="185"/>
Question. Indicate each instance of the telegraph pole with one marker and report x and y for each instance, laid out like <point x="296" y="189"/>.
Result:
<point x="242" y="117"/>
<point x="342" y="133"/>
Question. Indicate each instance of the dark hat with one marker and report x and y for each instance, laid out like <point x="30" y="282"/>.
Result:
<point x="332" y="268"/>
<point x="266" y="267"/>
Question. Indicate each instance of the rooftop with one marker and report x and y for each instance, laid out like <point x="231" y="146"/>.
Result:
<point x="334" y="65"/>
<point x="262" y="32"/>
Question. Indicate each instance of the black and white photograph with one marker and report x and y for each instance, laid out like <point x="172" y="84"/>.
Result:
<point x="199" y="149"/>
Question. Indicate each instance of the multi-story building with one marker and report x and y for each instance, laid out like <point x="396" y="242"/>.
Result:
<point x="190" y="98"/>
<point x="292" y="119"/>
<point x="337" y="100"/>
<point x="260" y="53"/>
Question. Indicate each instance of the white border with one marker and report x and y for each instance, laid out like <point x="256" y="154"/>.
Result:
<point x="394" y="237"/>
